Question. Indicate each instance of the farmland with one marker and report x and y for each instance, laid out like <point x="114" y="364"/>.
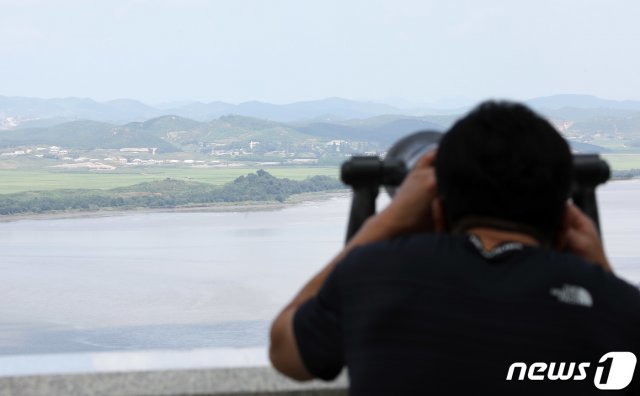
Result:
<point x="18" y="180"/>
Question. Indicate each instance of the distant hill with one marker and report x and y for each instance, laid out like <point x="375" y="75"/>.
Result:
<point x="163" y="124"/>
<point x="26" y="110"/>
<point x="183" y="132"/>
<point x="627" y="127"/>
<point x="589" y="116"/>
<point x="335" y="108"/>
<point x="173" y="133"/>
<point x="73" y="109"/>
<point x="201" y="111"/>
<point x="84" y="135"/>
<point x="576" y="114"/>
<point x="196" y="126"/>
<point x="582" y="102"/>
<point x="16" y="112"/>
<point x="587" y="148"/>
<point x="241" y="128"/>
<point x="385" y="132"/>
<point x="330" y="107"/>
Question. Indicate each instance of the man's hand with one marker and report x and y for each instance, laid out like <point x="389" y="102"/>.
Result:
<point x="411" y="208"/>
<point x="581" y="237"/>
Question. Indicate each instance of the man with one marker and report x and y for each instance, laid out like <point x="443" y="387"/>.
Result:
<point x="457" y="280"/>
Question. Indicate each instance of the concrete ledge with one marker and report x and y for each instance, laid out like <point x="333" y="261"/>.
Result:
<point x="215" y="382"/>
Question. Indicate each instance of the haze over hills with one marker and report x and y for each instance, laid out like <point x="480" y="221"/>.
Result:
<point x="84" y="135"/>
<point x="582" y="102"/>
<point x="173" y="133"/>
<point x="16" y="112"/>
<point x="20" y="111"/>
<point x="384" y="130"/>
<point x="589" y="122"/>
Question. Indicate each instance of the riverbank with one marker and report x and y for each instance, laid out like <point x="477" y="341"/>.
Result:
<point x="255" y="188"/>
<point x="247" y="206"/>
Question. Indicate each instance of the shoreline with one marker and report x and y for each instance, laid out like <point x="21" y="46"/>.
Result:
<point x="247" y="206"/>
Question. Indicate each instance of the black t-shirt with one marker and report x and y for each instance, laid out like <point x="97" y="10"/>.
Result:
<point x="435" y="314"/>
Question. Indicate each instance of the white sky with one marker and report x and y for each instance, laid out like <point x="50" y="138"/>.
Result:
<point x="283" y="51"/>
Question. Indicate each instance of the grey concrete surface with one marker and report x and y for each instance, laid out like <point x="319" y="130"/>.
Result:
<point x="251" y="381"/>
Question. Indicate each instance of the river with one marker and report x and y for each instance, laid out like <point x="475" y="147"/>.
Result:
<point x="178" y="281"/>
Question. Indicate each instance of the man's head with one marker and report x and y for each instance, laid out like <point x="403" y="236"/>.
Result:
<point x="504" y="162"/>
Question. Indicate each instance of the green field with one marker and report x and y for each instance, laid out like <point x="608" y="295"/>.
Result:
<point x="622" y="161"/>
<point x="12" y="181"/>
<point x="19" y="180"/>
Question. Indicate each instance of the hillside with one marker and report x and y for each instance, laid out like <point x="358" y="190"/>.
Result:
<point x="84" y="135"/>
<point x="293" y="127"/>
<point x="627" y="126"/>
<point x="234" y="137"/>
<point x="384" y="130"/>
<point x="173" y="133"/>
<point x="582" y="102"/>
<point x="73" y="108"/>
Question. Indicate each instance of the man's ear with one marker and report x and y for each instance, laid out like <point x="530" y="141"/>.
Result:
<point x="437" y="210"/>
<point x="560" y="241"/>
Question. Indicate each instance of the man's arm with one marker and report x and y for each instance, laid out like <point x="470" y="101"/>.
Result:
<point x="409" y="211"/>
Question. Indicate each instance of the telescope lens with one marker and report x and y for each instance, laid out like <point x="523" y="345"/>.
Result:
<point x="410" y="149"/>
<point x="590" y="170"/>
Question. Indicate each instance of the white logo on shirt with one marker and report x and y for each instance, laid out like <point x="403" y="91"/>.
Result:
<point x="571" y="294"/>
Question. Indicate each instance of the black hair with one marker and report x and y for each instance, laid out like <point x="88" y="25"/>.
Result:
<point x="504" y="162"/>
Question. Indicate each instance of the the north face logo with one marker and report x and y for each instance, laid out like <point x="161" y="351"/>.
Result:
<point x="571" y="294"/>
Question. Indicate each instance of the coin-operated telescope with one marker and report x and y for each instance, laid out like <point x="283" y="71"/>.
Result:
<point x="365" y="175"/>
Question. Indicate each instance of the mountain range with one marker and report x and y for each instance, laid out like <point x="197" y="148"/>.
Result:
<point x="192" y="126"/>
<point x="173" y="133"/>
<point x="26" y="112"/>
<point x="21" y="112"/>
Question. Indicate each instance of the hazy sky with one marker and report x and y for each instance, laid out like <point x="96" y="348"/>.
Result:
<point x="283" y="51"/>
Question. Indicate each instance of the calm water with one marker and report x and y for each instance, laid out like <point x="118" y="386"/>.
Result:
<point x="192" y="280"/>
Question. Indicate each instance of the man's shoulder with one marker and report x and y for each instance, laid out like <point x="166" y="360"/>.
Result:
<point x="423" y="242"/>
<point x="441" y="252"/>
<point x="401" y="254"/>
<point x="608" y="285"/>
<point x="423" y="245"/>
